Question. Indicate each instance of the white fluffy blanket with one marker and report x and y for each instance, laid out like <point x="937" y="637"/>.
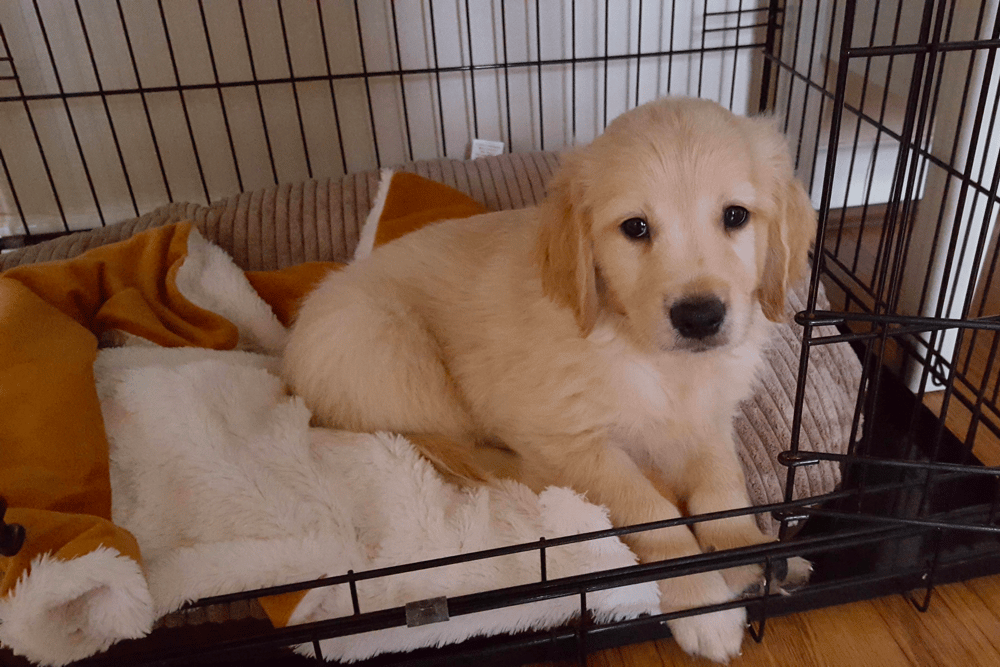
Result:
<point x="226" y="487"/>
<point x="217" y="473"/>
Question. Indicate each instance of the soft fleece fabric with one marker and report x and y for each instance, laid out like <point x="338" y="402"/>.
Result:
<point x="256" y="497"/>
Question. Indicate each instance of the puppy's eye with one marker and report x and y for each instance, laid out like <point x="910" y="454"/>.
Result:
<point x="735" y="217"/>
<point x="635" y="228"/>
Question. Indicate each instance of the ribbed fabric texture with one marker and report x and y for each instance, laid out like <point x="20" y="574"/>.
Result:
<point x="289" y="224"/>
<point x="764" y="425"/>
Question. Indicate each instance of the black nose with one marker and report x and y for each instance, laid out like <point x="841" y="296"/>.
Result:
<point x="698" y="317"/>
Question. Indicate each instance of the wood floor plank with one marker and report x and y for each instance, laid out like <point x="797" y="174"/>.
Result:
<point x="970" y="610"/>
<point x="953" y="631"/>
<point x="843" y="636"/>
<point x="855" y="635"/>
<point x="987" y="589"/>
<point x="961" y="628"/>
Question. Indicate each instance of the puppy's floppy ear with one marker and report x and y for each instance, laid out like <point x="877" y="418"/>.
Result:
<point x="565" y="252"/>
<point x="791" y="228"/>
<point x="790" y="234"/>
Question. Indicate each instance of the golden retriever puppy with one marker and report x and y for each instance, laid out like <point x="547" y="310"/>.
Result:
<point x="600" y="341"/>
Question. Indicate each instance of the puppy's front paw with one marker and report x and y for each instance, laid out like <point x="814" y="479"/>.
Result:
<point x="748" y="580"/>
<point x="716" y="636"/>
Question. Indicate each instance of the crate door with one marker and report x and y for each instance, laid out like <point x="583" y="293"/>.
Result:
<point x="946" y="243"/>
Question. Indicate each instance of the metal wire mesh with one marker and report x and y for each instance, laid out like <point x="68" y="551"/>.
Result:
<point x="114" y="108"/>
<point x="890" y="109"/>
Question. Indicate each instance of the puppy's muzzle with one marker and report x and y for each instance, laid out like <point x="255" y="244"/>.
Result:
<point x="698" y="317"/>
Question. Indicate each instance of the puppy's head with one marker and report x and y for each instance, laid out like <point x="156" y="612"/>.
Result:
<point x="680" y="223"/>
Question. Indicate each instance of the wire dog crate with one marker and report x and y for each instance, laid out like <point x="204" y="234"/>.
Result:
<point x="110" y="109"/>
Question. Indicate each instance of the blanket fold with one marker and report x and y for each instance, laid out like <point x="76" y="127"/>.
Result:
<point x="130" y="286"/>
<point x="77" y="584"/>
<point x="54" y="475"/>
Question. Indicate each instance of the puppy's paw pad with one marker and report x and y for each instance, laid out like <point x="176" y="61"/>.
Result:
<point x="787" y="574"/>
<point x="794" y="574"/>
<point x="716" y="636"/>
<point x="756" y="589"/>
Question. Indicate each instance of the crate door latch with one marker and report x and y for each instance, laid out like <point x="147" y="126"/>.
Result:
<point x="425" y="612"/>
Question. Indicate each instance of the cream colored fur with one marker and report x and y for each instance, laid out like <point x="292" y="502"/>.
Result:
<point x="537" y="344"/>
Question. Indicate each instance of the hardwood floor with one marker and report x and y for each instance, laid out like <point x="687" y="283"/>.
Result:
<point x="960" y="629"/>
<point x="962" y="626"/>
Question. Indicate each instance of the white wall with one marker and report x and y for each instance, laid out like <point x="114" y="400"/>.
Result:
<point x="430" y="137"/>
